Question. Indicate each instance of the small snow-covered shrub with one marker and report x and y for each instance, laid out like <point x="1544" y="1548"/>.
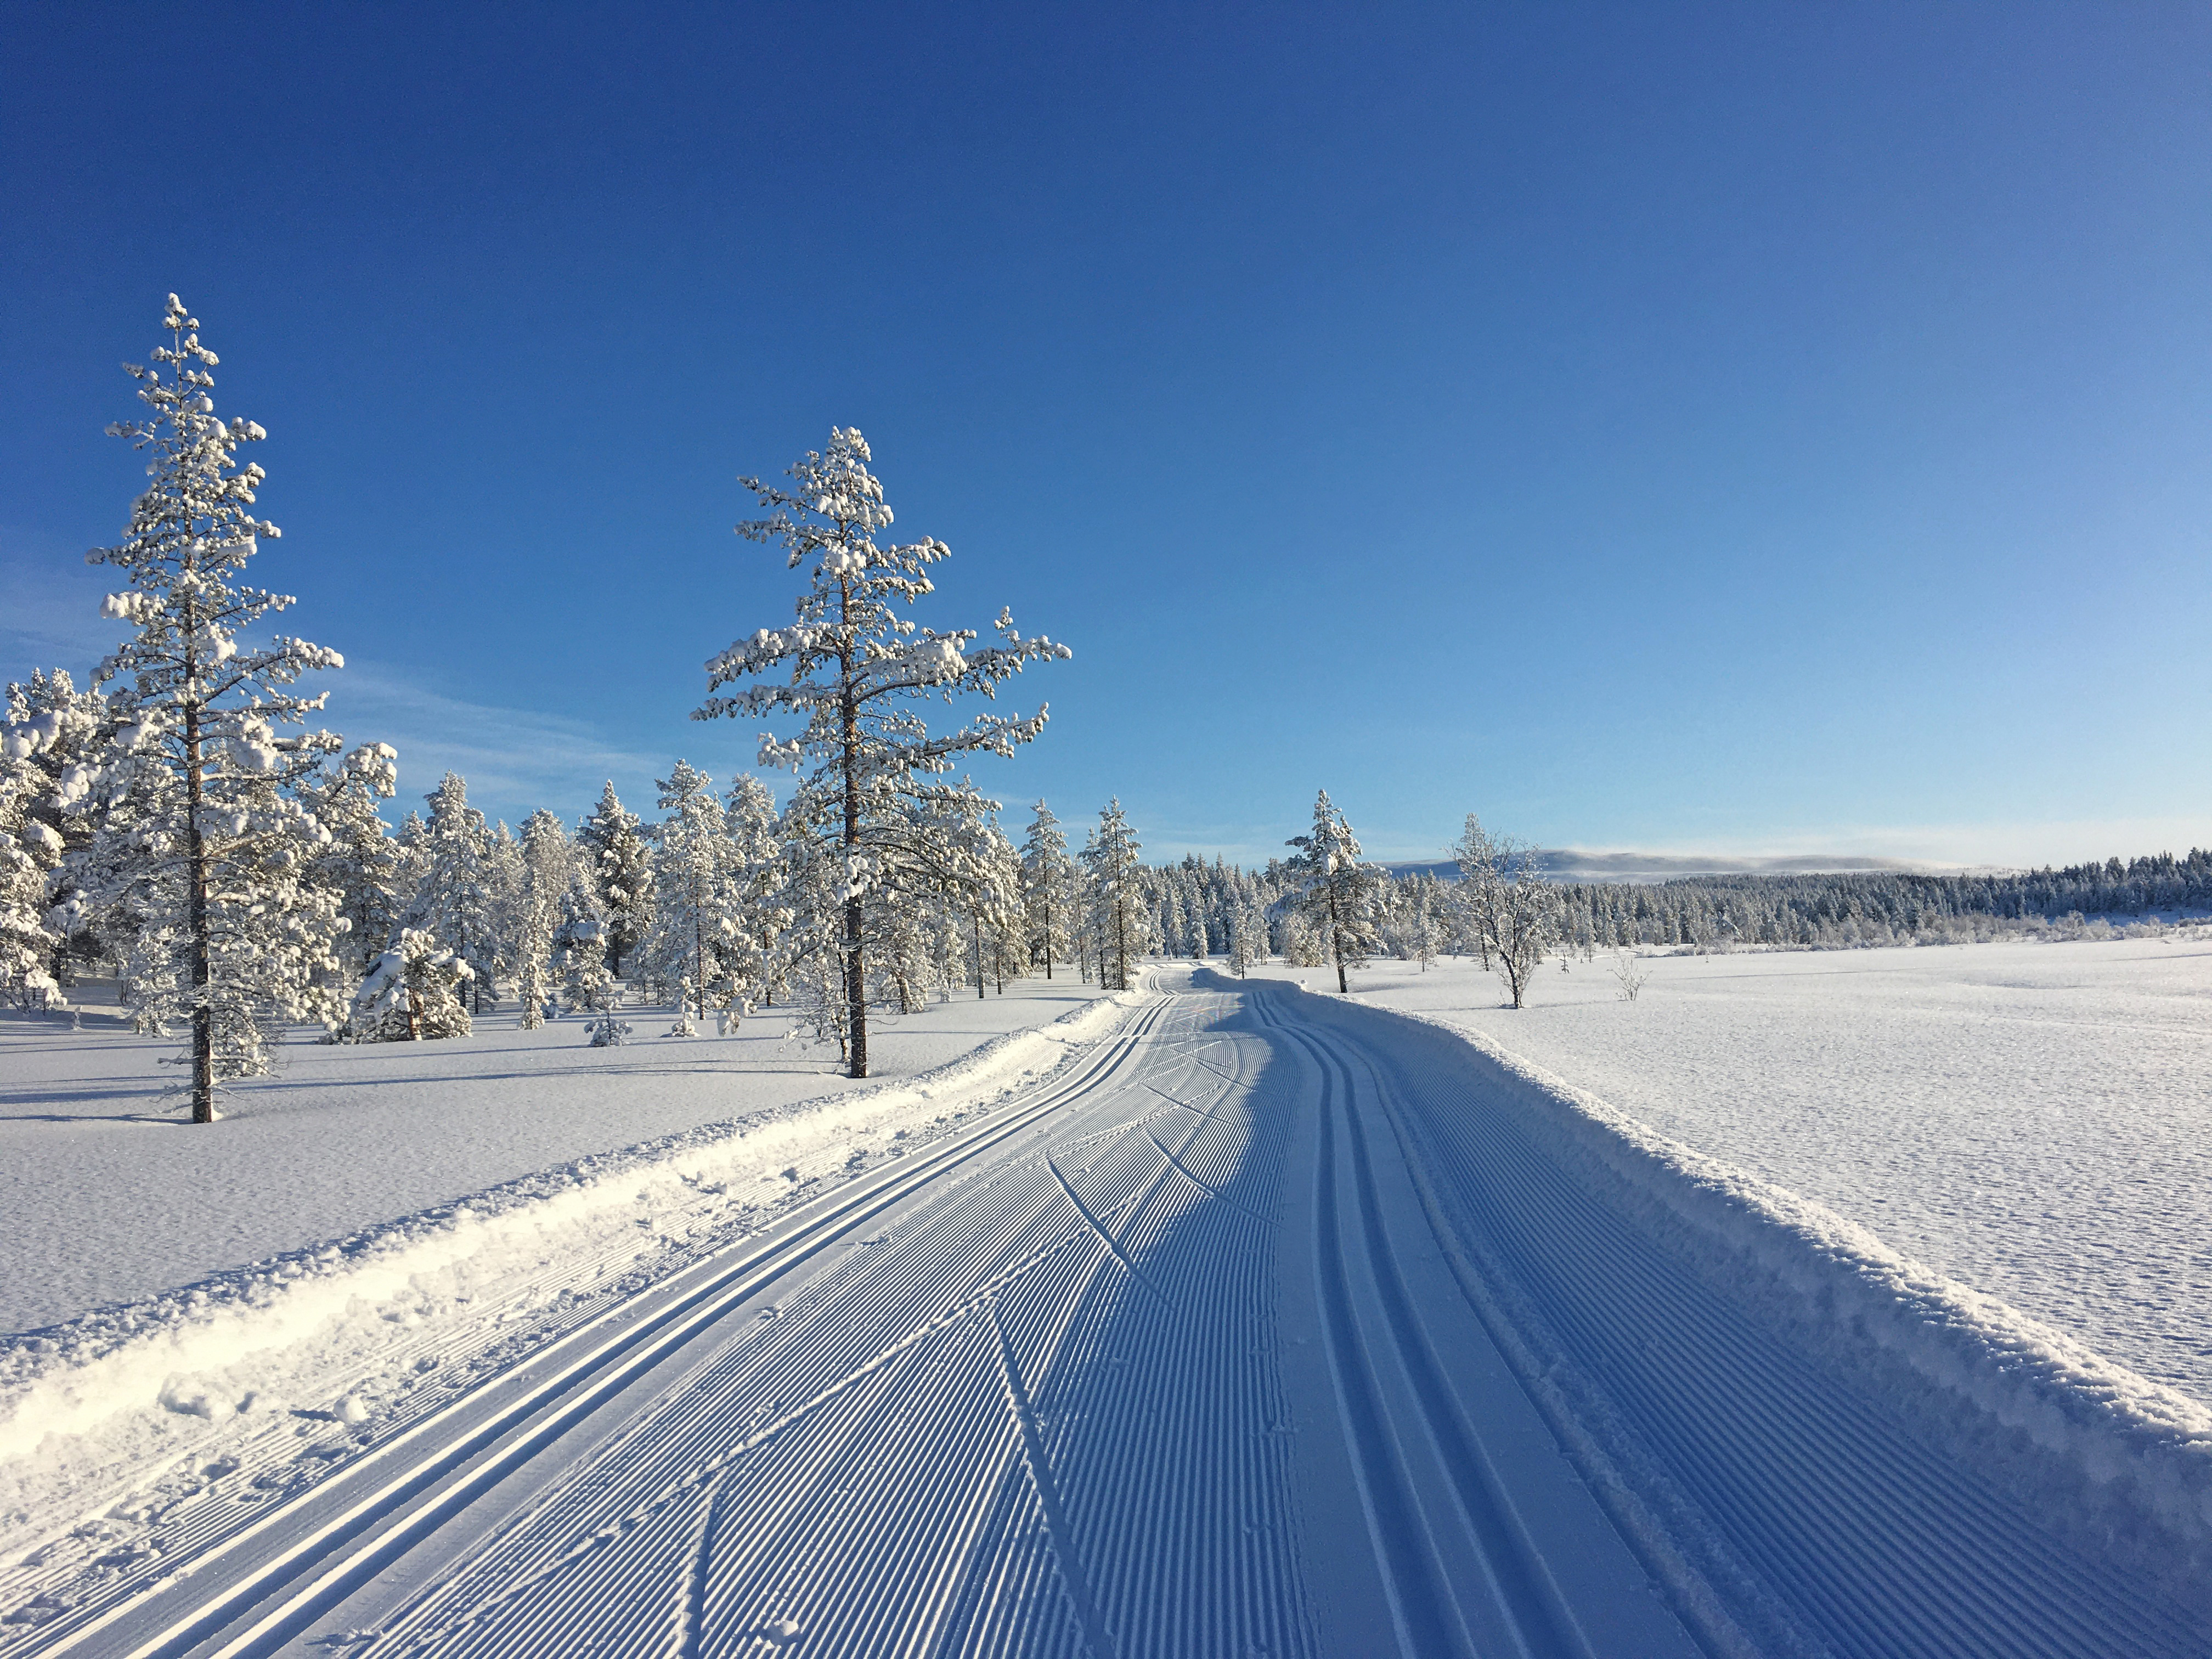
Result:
<point x="607" y="1032"/>
<point x="410" y="995"/>
<point x="587" y="985"/>
<point x="1630" y="973"/>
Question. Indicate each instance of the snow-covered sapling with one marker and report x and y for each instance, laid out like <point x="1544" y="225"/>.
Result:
<point x="413" y="992"/>
<point x="1628" y="968"/>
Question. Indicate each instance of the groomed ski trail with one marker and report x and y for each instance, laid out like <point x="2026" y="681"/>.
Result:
<point x="1244" y="1334"/>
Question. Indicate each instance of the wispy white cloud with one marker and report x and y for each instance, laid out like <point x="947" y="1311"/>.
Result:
<point x="514" y="759"/>
<point x="49" y="609"/>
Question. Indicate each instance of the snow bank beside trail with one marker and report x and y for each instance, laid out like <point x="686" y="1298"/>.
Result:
<point x="2095" y="1448"/>
<point x="107" y="1420"/>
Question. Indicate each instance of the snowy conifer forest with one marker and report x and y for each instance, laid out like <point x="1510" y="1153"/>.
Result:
<point x="495" y="1091"/>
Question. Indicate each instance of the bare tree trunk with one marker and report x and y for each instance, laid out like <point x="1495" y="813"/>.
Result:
<point x="1336" y="942"/>
<point x="197" y="910"/>
<point x="856" y="979"/>
<point x="976" y="917"/>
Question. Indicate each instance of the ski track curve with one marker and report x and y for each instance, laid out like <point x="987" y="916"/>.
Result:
<point x="1036" y="1396"/>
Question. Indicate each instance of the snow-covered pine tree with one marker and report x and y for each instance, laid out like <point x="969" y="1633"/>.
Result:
<point x="1247" y="936"/>
<point x="1412" y="918"/>
<point x="48" y="761"/>
<point x="505" y="878"/>
<point x="457" y="882"/>
<point x="1048" y="888"/>
<point x="1086" y="924"/>
<point x="586" y="984"/>
<point x="815" y="975"/>
<point x="1006" y="920"/>
<point x="621" y="865"/>
<point x="580" y="940"/>
<point x="1174" y="926"/>
<point x="201" y="841"/>
<point x="413" y="992"/>
<point x="855" y="671"/>
<point x="1118" y="901"/>
<point x="694" y="921"/>
<point x="361" y="862"/>
<point x="29" y="850"/>
<point x="761" y="913"/>
<point x="983" y="876"/>
<point x="548" y="872"/>
<point x="1341" y="892"/>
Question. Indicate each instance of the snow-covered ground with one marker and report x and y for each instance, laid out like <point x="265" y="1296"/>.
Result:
<point x="1212" y="1319"/>
<point x="2033" y="1119"/>
<point x="110" y="1196"/>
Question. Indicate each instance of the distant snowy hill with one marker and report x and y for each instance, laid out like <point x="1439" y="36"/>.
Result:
<point x="1575" y="864"/>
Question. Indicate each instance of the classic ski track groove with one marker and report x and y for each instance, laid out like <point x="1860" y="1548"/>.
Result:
<point x="1517" y="1608"/>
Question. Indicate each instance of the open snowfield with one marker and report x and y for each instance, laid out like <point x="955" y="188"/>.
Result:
<point x="2034" y="1120"/>
<point x="111" y="1196"/>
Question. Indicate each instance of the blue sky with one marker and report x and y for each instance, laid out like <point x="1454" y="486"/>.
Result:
<point x="1749" y="428"/>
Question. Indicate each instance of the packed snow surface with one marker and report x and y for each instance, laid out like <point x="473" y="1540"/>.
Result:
<point x="111" y="1196"/>
<point x="2034" y="1120"/>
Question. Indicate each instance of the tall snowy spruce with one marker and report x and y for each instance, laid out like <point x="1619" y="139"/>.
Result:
<point x="1047" y="888"/>
<point x="1341" y="893"/>
<point x="361" y="861"/>
<point x="695" y="882"/>
<point x="621" y="868"/>
<point x="549" y="875"/>
<point x="756" y="868"/>
<point x="854" y="671"/>
<point x="1120" y="910"/>
<point x="203" y="840"/>
<point x="457" y="893"/>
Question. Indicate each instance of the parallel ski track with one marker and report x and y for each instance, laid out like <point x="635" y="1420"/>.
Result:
<point x="298" y="1556"/>
<point x="1879" y="1547"/>
<point x="982" y="1435"/>
<point x="1512" y="1606"/>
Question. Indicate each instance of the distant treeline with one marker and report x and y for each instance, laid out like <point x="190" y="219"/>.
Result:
<point x="1861" y="907"/>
